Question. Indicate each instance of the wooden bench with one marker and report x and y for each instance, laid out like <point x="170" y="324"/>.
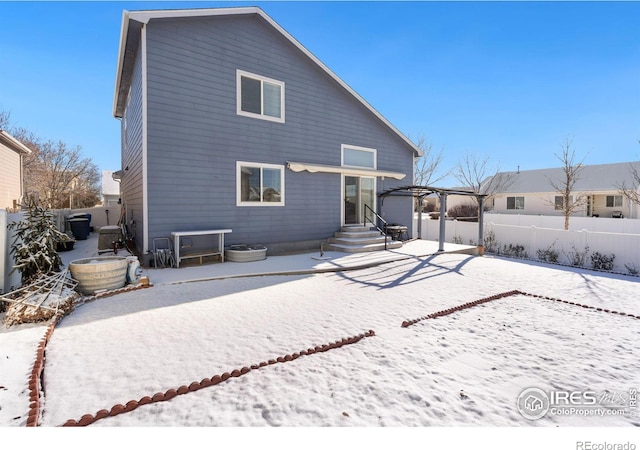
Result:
<point x="202" y="253"/>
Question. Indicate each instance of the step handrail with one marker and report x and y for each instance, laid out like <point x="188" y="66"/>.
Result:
<point x="383" y="231"/>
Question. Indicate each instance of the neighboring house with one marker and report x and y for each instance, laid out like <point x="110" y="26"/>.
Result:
<point x="109" y="189"/>
<point x="228" y="122"/>
<point x="11" y="175"/>
<point x="431" y="203"/>
<point x="597" y="189"/>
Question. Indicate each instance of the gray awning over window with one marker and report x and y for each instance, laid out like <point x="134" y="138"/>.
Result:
<point x="313" y="168"/>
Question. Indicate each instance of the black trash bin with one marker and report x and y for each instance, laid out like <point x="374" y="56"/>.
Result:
<point x="80" y="228"/>
<point x="82" y="216"/>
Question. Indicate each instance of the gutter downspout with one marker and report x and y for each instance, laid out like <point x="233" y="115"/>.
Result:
<point x="21" y="199"/>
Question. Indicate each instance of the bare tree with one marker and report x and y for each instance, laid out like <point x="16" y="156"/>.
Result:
<point x="475" y="173"/>
<point x="571" y="170"/>
<point x="426" y="167"/>
<point x="58" y="175"/>
<point x="5" y="117"/>
<point x="632" y="193"/>
<point x="62" y="177"/>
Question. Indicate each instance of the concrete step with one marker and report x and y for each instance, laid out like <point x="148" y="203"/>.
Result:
<point x="346" y="248"/>
<point x="359" y="240"/>
<point x="356" y="229"/>
<point x="357" y="234"/>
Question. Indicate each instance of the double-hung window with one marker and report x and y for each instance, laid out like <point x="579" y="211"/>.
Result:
<point x="259" y="97"/>
<point x="259" y="184"/>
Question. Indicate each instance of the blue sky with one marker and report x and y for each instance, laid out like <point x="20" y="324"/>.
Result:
<point x="508" y="80"/>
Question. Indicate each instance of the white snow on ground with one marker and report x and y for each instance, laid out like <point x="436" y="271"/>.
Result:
<point x="466" y="369"/>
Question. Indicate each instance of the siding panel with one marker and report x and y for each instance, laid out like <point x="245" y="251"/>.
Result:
<point x="10" y="183"/>
<point x="195" y="136"/>
<point x="131" y="131"/>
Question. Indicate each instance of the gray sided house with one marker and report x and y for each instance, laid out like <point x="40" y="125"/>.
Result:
<point x="229" y="122"/>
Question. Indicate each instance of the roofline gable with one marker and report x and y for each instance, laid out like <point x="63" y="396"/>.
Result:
<point x="143" y="17"/>
<point x="590" y="180"/>
<point x="14" y="144"/>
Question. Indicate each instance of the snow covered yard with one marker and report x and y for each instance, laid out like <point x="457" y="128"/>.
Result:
<point x="464" y="369"/>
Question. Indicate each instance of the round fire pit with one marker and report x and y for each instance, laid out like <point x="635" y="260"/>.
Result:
<point x="246" y="253"/>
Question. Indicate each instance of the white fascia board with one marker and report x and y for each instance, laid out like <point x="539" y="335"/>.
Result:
<point x="13" y="143"/>
<point x="124" y="31"/>
<point x="147" y="15"/>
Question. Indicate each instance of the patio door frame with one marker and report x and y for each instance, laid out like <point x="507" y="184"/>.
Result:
<point x="359" y="212"/>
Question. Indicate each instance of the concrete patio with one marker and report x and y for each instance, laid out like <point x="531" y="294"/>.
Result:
<point x="304" y="263"/>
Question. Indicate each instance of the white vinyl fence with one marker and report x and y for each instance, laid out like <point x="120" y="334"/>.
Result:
<point x="501" y="231"/>
<point x="604" y="224"/>
<point x="8" y="280"/>
<point x="100" y="216"/>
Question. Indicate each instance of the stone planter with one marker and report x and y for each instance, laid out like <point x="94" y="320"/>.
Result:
<point x="246" y="253"/>
<point x="103" y="272"/>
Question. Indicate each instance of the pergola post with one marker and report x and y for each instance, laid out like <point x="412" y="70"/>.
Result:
<point x="480" y="225"/>
<point x="443" y="210"/>
<point x="420" y="200"/>
<point x="419" y="217"/>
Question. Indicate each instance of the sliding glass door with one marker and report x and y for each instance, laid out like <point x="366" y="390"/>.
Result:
<point x="358" y="191"/>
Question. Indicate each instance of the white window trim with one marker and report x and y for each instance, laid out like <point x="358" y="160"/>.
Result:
<point x="515" y="202"/>
<point x="344" y="147"/>
<point x="240" y="112"/>
<point x="239" y="165"/>
<point x="614" y="200"/>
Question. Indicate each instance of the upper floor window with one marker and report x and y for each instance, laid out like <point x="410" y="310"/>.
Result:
<point x="259" y="184"/>
<point x="259" y="97"/>
<point x="515" y="202"/>
<point x="358" y="156"/>
<point x="614" y="201"/>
